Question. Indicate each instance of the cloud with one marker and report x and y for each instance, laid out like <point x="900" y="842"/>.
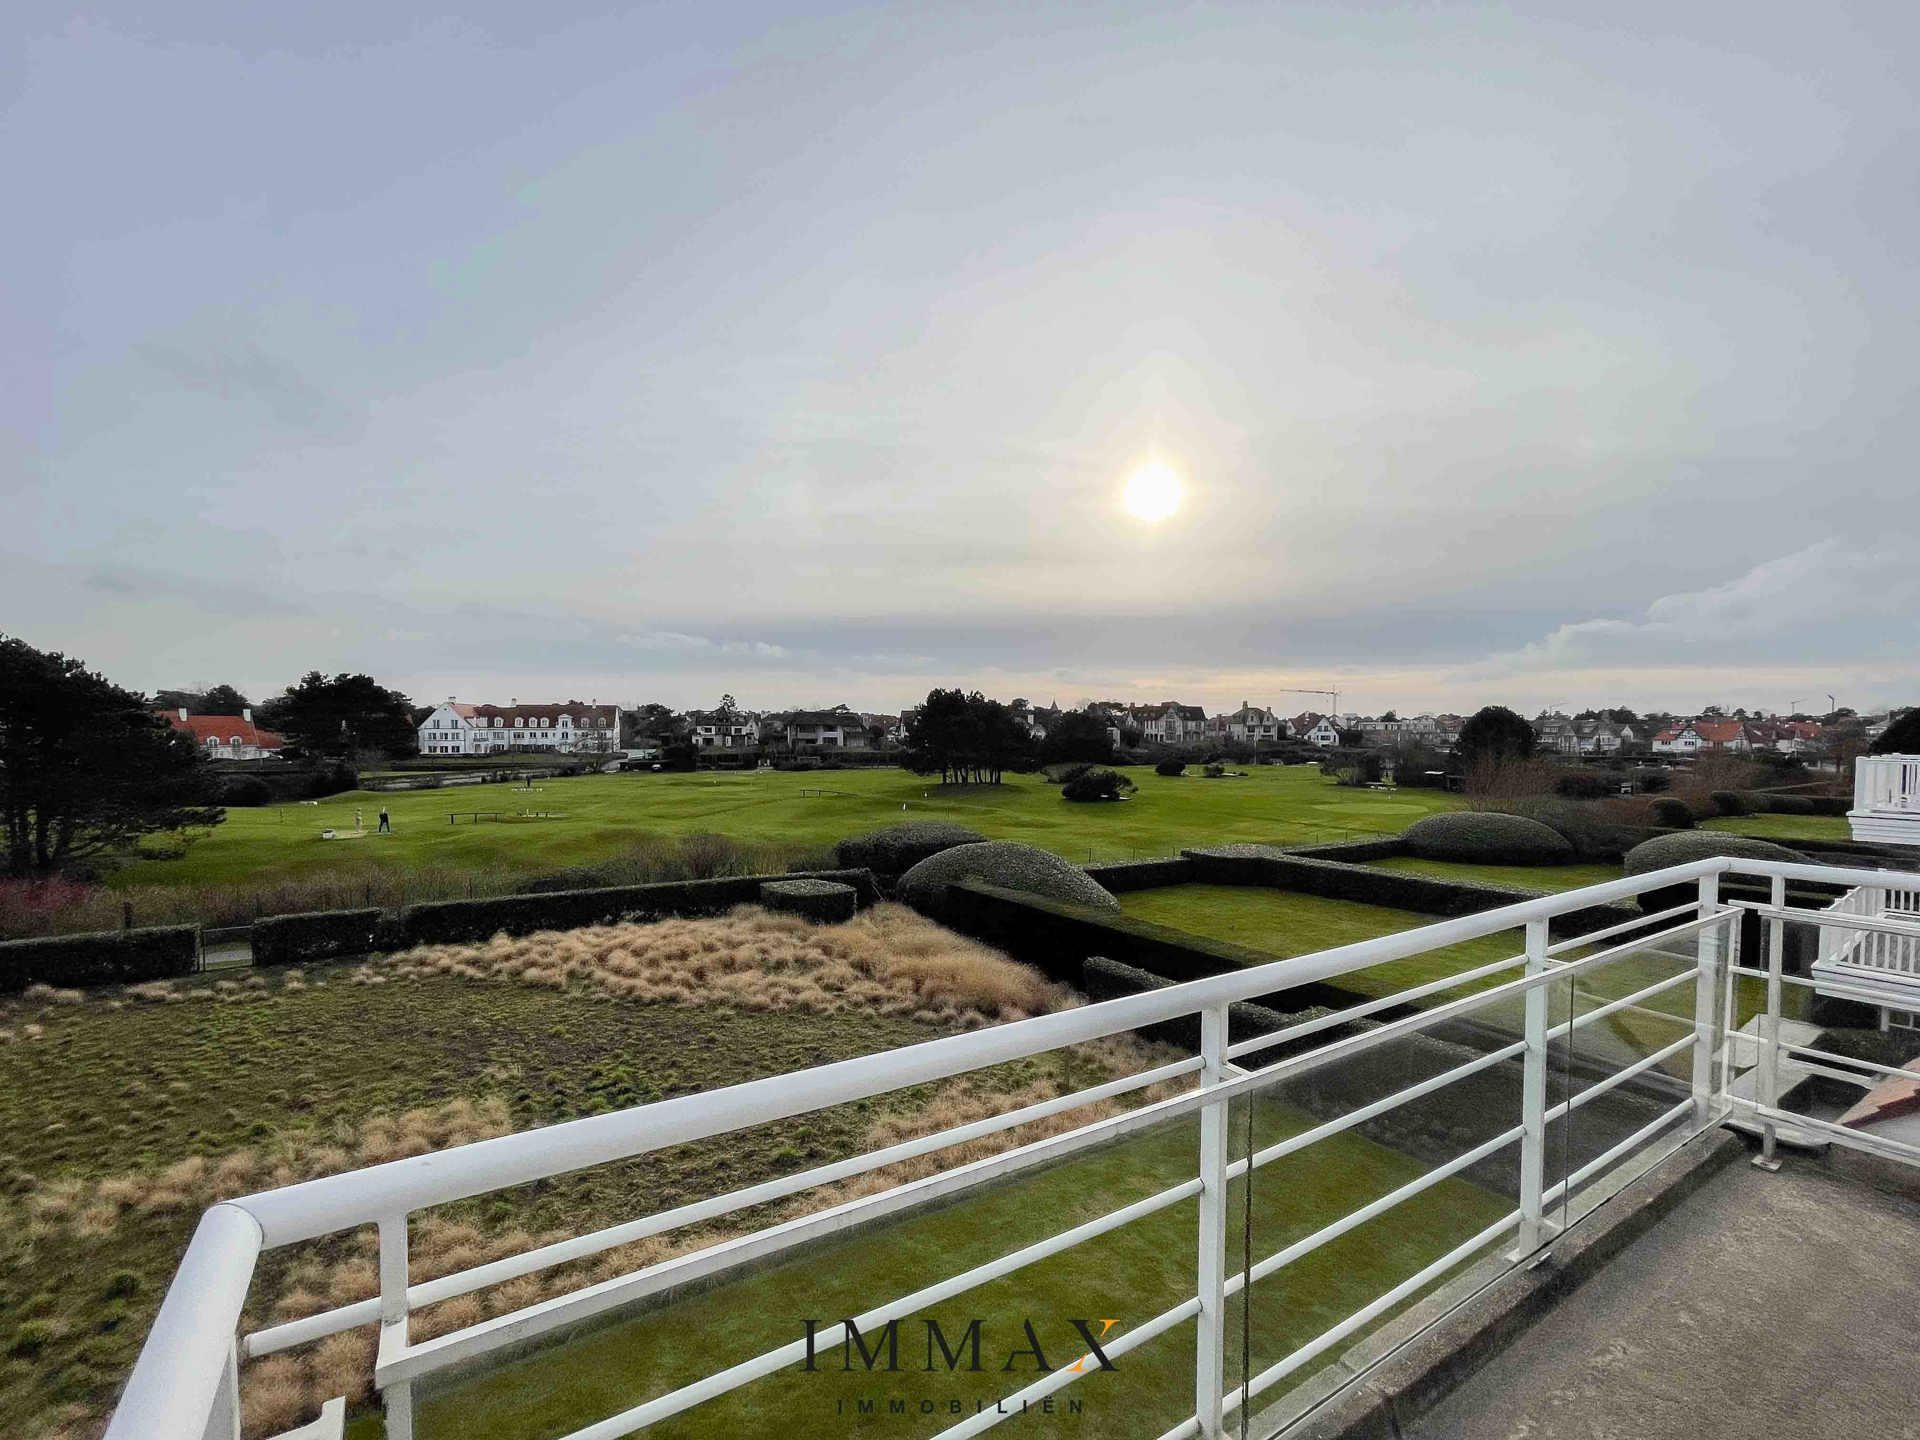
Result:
<point x="1828" y="602"/>
<point x="674" y="642"/>
<point x="244" y="374"/>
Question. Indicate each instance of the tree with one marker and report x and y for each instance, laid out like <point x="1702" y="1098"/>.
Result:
<point x="342" y="717"/>
<point x="651" y="721"/>
<point x="966" y="738"/>
<point x="1389" y="715"/>
<point x="1493" y="733"/>
<point x="222" y="700"/>
<point x="1078" y="735"/>
<point x="86" y="768"/>
<point x="1902" y="737"/>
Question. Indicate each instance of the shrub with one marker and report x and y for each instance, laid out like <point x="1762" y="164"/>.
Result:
<point x="1665" y="850"/>
<point x="1214" y="770"/>
<point x="1585" y="785"/>
<point x="1790" y="805"/>
<point x="1006" y="863"/>
<point x="1097" y="784"/>
<point x="113" y="957"/>
<point x="317" y="935"/>
<point x="1671" y="812"/>
<point x="825" y="901"/>
<point x="1592" y="832"/>
<point x="1487" y="837"/>
<point x="1069" y="770"/>
<point x="896" y="849"/>
<point x="1731" y="802"/>
<point x="332" y="780"/>
<point x="246" y="792"/>
<point x="1652" y="780"/>
<point x="1171" y="768"/>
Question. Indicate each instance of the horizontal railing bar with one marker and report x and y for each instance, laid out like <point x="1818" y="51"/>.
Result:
<point x="1354" y="1219"/>
<point x="1012" y="1405"/>
<point x="1620" y="1077"/>
<point x="1821" y="874"/>
<point x="1640" y="922"/>
<point x="1606" y="1157"/>
<point x="1361" y="1011"/>
<point x="1187" y="1429"/>
<point x="1844" y="1134"/>
<point x="1371" y="1311"/>
<point x="479" y="1277"/>
<point x="1785" y="978"/>
<point x="712" y="1386"/>
<point x="1897" y="1071"/>
<point x="322" y="1206"/>
<point x="1282" y="1148"/>
<point x="1835" y="919"/>
<point x="1864" y="1082"/>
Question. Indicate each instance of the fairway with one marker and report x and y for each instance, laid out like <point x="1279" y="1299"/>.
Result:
<point x="597" y="817"/>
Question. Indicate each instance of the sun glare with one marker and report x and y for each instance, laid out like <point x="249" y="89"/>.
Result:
<point x="1153" y="493"/>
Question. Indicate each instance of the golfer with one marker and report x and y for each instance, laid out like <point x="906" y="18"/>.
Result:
<point x="386" y="825"/>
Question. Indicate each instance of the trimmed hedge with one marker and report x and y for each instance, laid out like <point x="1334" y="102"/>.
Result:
<point x="1585" y="827"/>
<point x="314" y="935"/>
<point x="109" y="957"/>
<point x="1098" y="783"/>
<point x="825" y="901"/>
<point x="1488" y="838"/>
<point x="1107" y="979"/>
<point x="1170" y="768"/>
<point x="1685" y="846"/>
<point x="1671" y="813"/>
<point x="896" y="849"/>
<point x="1120" y="877"/>
<point x="1007" y="864"/>
<point x="442" y="922"/>
<point x="1731" y="802"/>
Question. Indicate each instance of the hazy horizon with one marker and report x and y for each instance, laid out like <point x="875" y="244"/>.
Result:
<point x="1558" y="358"/>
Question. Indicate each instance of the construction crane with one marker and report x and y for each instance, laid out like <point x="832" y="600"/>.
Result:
<point x="1294" y="690"/>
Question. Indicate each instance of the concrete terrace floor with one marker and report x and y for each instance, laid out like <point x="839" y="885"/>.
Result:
<point x="1778" y="1306"/>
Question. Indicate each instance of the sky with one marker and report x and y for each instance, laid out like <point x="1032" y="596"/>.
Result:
<point x="1544" y="354"/>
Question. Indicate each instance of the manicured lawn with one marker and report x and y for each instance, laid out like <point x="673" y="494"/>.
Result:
<point x="1128" y="1275"/>
<point x="1509" y="877"/>
<point x="1285" y="924"/>
<point x="1784" y="828"/>
<point x="604" y="815"/>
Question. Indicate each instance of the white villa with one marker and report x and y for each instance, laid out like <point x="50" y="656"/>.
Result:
<point x="1250" y="725"/>
<point x="455" y="728"/>
<point x="228" y="737"/>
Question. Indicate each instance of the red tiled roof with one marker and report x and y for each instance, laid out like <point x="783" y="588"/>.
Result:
<point x="226" y="729"/>
<point x="1718" y="732"/>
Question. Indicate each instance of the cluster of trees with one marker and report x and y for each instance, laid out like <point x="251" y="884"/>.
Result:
<point x="86" y="768"/>
<point x="967" y="739"/>
<point x="346" y="717"/>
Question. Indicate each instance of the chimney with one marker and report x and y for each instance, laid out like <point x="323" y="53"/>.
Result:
<point x="246" y="714"/>
<point x="183" y="712"/>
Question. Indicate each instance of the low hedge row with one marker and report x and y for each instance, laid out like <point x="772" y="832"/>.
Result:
<point x="110" y="957"/>
<point x="892" y="851"/>
<point x="315" y="935"/>
<point x="443" y="922"/>
<point x="1107" y="979"/>
<point x="1353" y="851"/>
<point x="1122" y="876"/>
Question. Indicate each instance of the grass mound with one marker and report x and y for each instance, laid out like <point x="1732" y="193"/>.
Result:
<point x="889" y="961"/>
<point x="1005" y="863"/>
<point x="896" y="849"/>
<point x="1488" y="838"/>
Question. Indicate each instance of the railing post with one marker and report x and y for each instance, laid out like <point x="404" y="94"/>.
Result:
<point x="1211" y="1339"/>
<point x="398" y="1396"/>
<point x="1707" y="949"/>
<point x="223" y="1421"/>
<point x="1533" y="1099"/>
<point x="1770" y="1024"/>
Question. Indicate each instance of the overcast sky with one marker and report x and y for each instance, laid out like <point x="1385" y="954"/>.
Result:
<point x="1557" y="356"/>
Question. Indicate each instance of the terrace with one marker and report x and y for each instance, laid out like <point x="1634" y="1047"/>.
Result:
<point x="1886" y="799"/>
<point x="1475" y="1140"/>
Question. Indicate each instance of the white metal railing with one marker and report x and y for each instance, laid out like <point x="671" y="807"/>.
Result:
<point x="1887" y="783"/>
<point x="184" y="1383"/>
<point x="1860" y="958"/>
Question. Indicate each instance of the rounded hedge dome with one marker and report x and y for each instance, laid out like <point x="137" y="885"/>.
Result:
<point x="1664" y="850"/>
<point x="895" y="849"/>
<point x="1487" y="838"/>
<point x="1005" y="863"/>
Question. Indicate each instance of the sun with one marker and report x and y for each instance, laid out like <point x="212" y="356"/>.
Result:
<point x="1153" y="493"/>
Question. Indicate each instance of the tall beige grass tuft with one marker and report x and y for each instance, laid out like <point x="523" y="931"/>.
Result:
<point x="888" y="961"/>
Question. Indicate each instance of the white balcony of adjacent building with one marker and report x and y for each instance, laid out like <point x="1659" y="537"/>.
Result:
<point x="1886" y="799"/>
